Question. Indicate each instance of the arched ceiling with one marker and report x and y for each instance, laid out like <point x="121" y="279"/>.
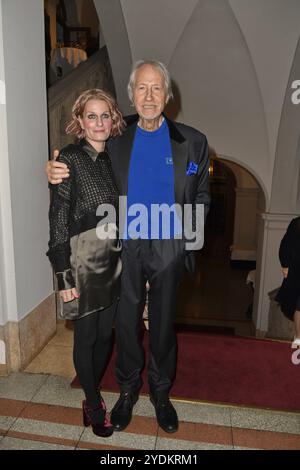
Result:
<point x="230" y="61"/>
<point x="271" y="31"/>
<point x="155" y="26"/>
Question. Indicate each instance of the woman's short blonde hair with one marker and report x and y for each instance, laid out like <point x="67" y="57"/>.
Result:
<point x="74" y="126"/>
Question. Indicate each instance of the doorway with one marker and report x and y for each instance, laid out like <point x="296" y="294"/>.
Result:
<point x="220" y="297"/>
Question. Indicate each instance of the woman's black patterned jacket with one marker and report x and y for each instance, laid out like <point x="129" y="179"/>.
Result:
<point x="78" y="256"/>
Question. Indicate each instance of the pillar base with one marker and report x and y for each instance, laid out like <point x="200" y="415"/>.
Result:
<point x="25" y="339"/>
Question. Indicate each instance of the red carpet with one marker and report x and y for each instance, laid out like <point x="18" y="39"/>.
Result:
<point x="232" y="370"/>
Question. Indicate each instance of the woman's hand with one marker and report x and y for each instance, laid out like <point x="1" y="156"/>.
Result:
<point x="56" y="171"/>
<point x="69" y="294"/>
<point x="285" y="272"/>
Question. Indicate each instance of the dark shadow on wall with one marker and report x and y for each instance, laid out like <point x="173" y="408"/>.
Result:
<point x="174" y="107"/>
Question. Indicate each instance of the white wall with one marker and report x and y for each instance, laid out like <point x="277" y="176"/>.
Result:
<point x="286" y="174"/>
<point x="8" y="304"/>
<point x="114" y="30"/>
<point x="155" y="27"/>
<point x="25" y="149"/>
<point x="230" y="60"/>
<point x="271" y="31"/>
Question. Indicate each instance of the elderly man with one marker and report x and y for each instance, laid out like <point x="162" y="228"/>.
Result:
<point x="155" y="161"/>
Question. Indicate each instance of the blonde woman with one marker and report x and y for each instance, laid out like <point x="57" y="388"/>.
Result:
<point x="88" y="268"/>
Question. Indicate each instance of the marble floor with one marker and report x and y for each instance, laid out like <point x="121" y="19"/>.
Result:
<point x="41" y="411"/>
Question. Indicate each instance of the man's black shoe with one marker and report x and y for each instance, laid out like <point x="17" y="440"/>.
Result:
<point x="122" y="411"/>
<point x="165" y="414"/>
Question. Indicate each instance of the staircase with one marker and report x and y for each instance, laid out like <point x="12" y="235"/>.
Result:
<point x="93" y="73"/>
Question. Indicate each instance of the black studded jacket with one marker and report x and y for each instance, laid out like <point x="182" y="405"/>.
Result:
<point x="74" y="202"/>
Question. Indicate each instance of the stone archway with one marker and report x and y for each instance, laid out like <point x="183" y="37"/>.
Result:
<point x="219" y="296"/>
<point x="250" y="204"/>
<point x="251" y="192"/>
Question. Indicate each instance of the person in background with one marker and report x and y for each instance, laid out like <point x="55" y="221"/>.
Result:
<point x="87" y="267"/>
<point x="288" y="295"/>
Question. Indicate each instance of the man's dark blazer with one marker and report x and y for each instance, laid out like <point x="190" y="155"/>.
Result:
<point x="188" y="145"/>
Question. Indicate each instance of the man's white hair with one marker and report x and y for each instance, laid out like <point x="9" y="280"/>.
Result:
<point x="162" y="69"/>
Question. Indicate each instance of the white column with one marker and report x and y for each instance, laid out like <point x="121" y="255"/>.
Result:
<point x="26" y="277"/>
<point x="8" y="296"/>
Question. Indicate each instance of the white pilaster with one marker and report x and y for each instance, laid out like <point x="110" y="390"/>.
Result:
<point x="26" y="278"/>
<point x="8" y="296"/>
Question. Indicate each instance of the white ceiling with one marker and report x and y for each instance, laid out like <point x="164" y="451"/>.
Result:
<point x="230" y="61"/>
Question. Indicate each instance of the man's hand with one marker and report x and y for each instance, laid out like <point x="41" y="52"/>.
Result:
<point x="285" y="272"/>
<point x="56" y="171"/>
<point x="69" y="294"/>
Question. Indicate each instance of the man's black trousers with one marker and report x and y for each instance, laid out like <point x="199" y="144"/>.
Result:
<point x="161" y="263"/>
